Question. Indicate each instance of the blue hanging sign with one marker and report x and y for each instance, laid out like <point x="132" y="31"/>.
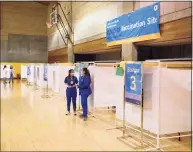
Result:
<point x="140" y="25"/>
<point x="28" y="70"/>
<point x="133" y="83"/>
<point x="45" y="72"/>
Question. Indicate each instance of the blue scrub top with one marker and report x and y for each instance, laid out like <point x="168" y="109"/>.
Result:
<point x="71" y="80"/>
<point x="84" y="85"/>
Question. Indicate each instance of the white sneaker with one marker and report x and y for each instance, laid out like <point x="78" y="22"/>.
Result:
<point x="68" y="113"/>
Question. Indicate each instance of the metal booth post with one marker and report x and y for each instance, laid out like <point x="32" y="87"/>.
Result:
<point x="35" y="79"/>
<point x="28" y="74"/>
<point x="27" y="82"/>
<point x="45" y="95"/>
<point x="141" y="109"/>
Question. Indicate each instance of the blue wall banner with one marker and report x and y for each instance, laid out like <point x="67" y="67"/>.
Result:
<point x="140" y="25"/>
<point x="28" y="70"/>
<point x="45" y="72"/>
<point x="133" y="83"/>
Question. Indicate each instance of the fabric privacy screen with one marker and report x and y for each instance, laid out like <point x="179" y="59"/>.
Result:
<point x="40" y="75"/>
<point x="50" y="76"/>
<point x="108" y="87"/>
<point x="91" y="69"/>
<point x="56" y="78"/>
<point x="23" y="72"/>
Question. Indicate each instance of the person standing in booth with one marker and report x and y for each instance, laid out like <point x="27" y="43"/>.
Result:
<point x="85" y="90"/>
<point x="71" y="91"/>
<point x="11" y="75"/>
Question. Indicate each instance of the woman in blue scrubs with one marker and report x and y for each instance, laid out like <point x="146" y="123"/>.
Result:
<point x="85" y="90"/>
<point x="11" y="77"/>
<point x="71" y="92"/>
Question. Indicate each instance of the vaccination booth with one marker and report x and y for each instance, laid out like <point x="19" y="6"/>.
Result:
<point x="105" y="93"/>
<point x="166" y="100"/>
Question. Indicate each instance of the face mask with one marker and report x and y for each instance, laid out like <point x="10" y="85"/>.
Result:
<point x="72" y="74"/>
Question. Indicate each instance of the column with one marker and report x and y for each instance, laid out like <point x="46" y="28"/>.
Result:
<point x="129" y="52"/>
<point x="70" y="53"/>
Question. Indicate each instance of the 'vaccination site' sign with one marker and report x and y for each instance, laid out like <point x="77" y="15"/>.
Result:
<point x="140" y="25"/>
<point x="133" y="83"/>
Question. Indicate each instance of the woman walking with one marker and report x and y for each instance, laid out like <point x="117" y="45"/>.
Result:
<point x="71" y="92"/>
<point x="11" y="75"/>
<point x="85" y="91"/>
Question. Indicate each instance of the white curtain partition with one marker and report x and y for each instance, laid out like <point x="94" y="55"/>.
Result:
<point x="50" y="76"/>
<point x="108" y="87"/>
<point x="91" y="69"/>
<point x="39" y="75"/>
<point x="31" y="76"/>
<point x="23" y="72"/>
<point x="56" y="78"/>
<point x="167" y="105"/>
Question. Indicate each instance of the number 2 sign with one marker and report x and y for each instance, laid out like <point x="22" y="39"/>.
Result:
<point x="133" y="83"/>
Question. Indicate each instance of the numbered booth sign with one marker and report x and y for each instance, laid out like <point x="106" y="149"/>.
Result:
<point x="45" y="72"/>
<point x="133" y="83"/>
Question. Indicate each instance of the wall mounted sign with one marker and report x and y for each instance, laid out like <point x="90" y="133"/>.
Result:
<point x="140" y="25"/>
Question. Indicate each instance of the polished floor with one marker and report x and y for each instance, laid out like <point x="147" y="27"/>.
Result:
<point x="32" y="123"/>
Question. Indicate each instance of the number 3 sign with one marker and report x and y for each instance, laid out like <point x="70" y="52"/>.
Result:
<point x="133" y="83"/>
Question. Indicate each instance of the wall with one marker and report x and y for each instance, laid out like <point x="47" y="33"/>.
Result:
<point x="55" y="40"/>
<point x="83" y="19"/>
<point x="89" y="21"/>
<point x="59" y="55"/>
<point x="23" y="32"/>
<point x="108" y="56"/>
<point x="164" y="52"/>
<point x="89" y="18"/>
<point x="169" y="11"/>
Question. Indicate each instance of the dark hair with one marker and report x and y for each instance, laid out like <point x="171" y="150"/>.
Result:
<point x="86" y="71"/>
<point x="70" y="71"/>
<point x="4" y="67"/>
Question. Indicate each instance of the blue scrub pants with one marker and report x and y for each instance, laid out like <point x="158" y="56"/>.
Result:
<point x="4" y="80"/>
<point x="11" y="78"/>
<point x="71" y="95"/>
<point x="84" y="105"/>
